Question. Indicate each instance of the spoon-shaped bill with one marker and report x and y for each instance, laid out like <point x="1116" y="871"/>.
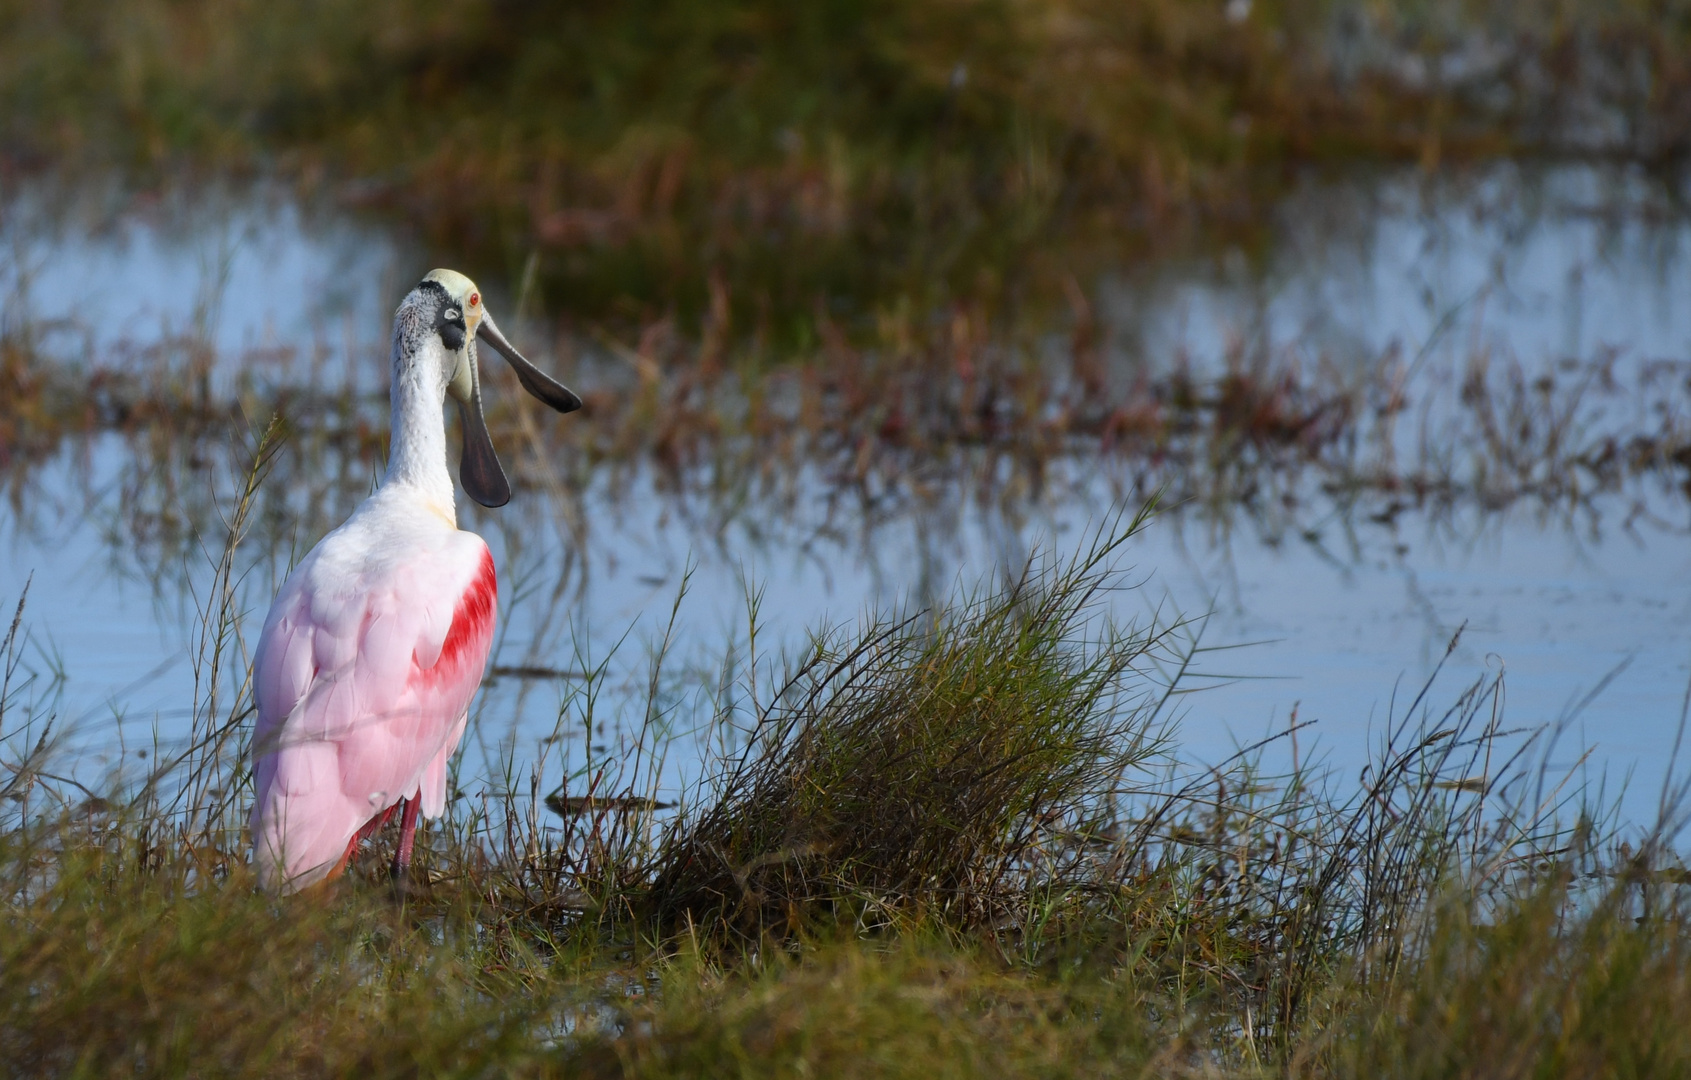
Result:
<point x="535" y="381"/>
<point x="478" y="467"/>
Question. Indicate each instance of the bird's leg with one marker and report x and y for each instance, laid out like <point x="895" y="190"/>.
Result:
<point x="368" y="829"/>
<point x="407" y="835"/>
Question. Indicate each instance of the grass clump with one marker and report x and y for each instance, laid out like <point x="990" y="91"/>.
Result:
<point x="1565" y="981"/>
<point x="937" y="766"/>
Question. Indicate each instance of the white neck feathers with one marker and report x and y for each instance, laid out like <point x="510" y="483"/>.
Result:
<point x="417" y="451"/>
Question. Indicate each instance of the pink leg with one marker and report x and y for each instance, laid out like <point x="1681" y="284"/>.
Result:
<point x="407" y="834"/>
<point x="369" y="829"/>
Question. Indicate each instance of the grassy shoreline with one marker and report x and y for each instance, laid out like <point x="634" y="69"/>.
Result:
<point x="954" y="844"/>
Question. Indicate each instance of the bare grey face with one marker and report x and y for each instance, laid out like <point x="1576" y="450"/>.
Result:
<point x="478" y="468"/>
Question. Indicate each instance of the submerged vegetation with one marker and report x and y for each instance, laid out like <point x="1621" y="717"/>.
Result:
<point x="1284" y="436"/>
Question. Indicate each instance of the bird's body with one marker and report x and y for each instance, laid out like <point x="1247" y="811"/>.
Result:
<point x="375" y="645"/>
<point x="365" y="671"/>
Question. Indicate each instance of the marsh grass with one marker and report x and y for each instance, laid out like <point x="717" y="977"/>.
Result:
<point x="1282" y="436"/>
<point x="955" y="842"/>
<point x="942" y="765"/>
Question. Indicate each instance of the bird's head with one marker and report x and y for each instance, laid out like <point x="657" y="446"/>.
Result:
<point x="448" y="305"/>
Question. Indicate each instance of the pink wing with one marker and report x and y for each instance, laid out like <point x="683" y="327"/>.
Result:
<point x="363" y="682"/>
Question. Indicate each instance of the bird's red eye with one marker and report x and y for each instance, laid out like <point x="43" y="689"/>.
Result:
<point x="475" y="298"/>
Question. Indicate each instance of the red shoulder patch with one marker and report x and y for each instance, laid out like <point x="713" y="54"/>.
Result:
<point x="472" y="619"/>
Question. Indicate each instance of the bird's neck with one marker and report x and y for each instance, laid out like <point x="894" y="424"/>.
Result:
<point x="417" y="451"/>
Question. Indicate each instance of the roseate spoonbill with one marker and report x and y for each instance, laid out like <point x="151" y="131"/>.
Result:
<point x="376" y="643"/>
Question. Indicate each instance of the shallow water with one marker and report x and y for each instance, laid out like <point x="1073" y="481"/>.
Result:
<point x="1331" y="614"/>
<point x="1537" y="264"/>
<point x="99" y="271"/>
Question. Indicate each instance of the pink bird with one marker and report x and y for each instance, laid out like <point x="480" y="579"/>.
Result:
<point x="377" y="641"/>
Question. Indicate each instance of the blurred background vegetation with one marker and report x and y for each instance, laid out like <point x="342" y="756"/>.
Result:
<point x="784" y="172"/>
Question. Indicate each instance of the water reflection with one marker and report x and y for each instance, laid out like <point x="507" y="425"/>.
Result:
<point x="1534" y="263"/>
<point x="241" y="265"/>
